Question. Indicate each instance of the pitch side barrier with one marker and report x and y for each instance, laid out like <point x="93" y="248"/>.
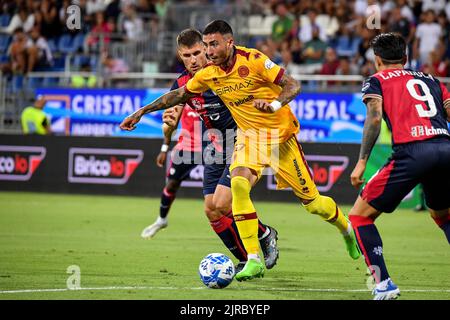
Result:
<point x="126" y="166"/>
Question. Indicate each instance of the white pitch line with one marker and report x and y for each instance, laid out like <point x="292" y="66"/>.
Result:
<point x="204" y="288"/>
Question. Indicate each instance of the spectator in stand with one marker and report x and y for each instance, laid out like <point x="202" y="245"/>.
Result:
<point x="161" y="7"/>
<point x="39" y="54"/>
<point x="113" y="10"/>
<point x="314" y="52"/>
<point x="347" y="68"/>
<point x="400" y="24"/>
<point x="27" y="54"/>
<point x="428" y="34"/>
<point x="101" y="30"/>
<point x="50" y="25"/>
<point x="434" y="5"/>
<point x="444" y="23"/>
<point x="94" y="6"/>
<point x="269" y="48"/>
<point x="22" y="19"/>
<point x="310" y="25"/>
<point x="287" y="63"/>
<point x="331" y="63"/>
<point x="283" y="25"/>
<point x="347" y="42"/>
<point x="113" y="65"/>
<point x="295" y="29"/>
<point x="365" y="51"/>
<point x="84" y="81"/>
<point x="437" y="66"/>
<point x="132" y="24"/>
<point x="296" y="49"/>
<point x="406" y="11"/>
<point x="330" y="21"/>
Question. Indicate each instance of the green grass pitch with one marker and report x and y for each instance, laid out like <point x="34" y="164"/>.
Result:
<point x="41" y="235"/>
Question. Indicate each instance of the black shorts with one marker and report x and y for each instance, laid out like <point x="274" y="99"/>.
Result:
<point x="182" y="163"/>
<point x="217" y="170"/>
<point x="215" y="174"/>
<point x="426" y="162"/>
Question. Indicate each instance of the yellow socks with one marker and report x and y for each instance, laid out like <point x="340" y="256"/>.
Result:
<point x="328" y="210"/>
<point x="245" y="214"/>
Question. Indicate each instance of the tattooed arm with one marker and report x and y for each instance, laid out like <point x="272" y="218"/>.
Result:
<point x="372" y="127"/>
<point x="290" y="89"/>
<point x="170" y="99"/>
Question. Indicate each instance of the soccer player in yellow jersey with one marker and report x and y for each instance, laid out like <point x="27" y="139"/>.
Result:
<point x="257" y="92"/>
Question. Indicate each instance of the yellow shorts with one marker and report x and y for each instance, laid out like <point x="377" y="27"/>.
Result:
<point x="285" y="159"/>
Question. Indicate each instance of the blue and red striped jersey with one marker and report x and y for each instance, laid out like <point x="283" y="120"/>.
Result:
<point x="212" y="111"/>
<point x="413" y="103"/>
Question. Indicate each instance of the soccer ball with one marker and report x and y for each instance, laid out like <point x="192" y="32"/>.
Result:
<point x="216" y="270"/>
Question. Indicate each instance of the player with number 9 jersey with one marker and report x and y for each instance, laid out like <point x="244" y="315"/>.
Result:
<point x="415" y="106"/>
<point x="413" y="103"/>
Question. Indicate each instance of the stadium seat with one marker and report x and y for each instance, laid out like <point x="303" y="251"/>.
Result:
<point x="5" y="40"/>
<point x="78" y="60"/>
<point x="59" y="63"/>
<point x="261" y="25"/>
<point x="78" y="42"/>
<point x="52" y="45"/>
<point x="4" y="58"/>
<point x="65" y="44"/>
<point x="50" y="82"/>
<point x="4" y="20"/>
<point x="16" y="83"/>
<point x="94" y="62"/>
<point x="347" y="46"/>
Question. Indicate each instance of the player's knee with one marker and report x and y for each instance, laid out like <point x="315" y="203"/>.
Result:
<point x="172" y="186"/>
<point x="212" y="213"/>
<point x="240" y="186"/>
<point x="221" y="206"/>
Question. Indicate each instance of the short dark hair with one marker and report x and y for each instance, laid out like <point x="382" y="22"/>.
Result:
<point x="218" y="26"/>
<point x="189" y="38"/>
<point x="390" y="47"/>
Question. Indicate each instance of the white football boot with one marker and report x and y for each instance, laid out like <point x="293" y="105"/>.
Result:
<point x="151" y="230"/>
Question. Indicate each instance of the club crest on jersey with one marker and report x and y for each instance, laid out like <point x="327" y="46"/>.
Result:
<point x="269" y="64"/>
<point x="197" y="104"/>
<point x="215" y="80"/>
<point x="243" y="71"/>
<point x="365" y="86"/>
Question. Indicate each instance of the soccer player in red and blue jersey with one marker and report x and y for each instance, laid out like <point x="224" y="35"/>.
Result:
<point x="189" y="146"/>
<point x="416" y="108"/>
<point x="220" y="126"/>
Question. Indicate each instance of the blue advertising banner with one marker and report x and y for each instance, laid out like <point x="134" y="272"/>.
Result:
<point x="330" y="117"/>
<point x="98" y="112"/>
<point x="324" y="117"/>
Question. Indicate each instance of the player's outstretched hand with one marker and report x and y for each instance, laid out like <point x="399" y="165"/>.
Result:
<point x="356" y="177"/>
<point x="129" y="123"/>
<point x="263" y="105"/>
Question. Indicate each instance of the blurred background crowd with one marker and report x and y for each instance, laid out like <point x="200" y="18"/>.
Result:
<point x="328" y="37"/>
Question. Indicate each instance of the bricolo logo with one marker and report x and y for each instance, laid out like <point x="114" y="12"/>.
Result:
<point x="102" y="166"/>
<point x="325" y="170"/>
<point x="18" y="163"/>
